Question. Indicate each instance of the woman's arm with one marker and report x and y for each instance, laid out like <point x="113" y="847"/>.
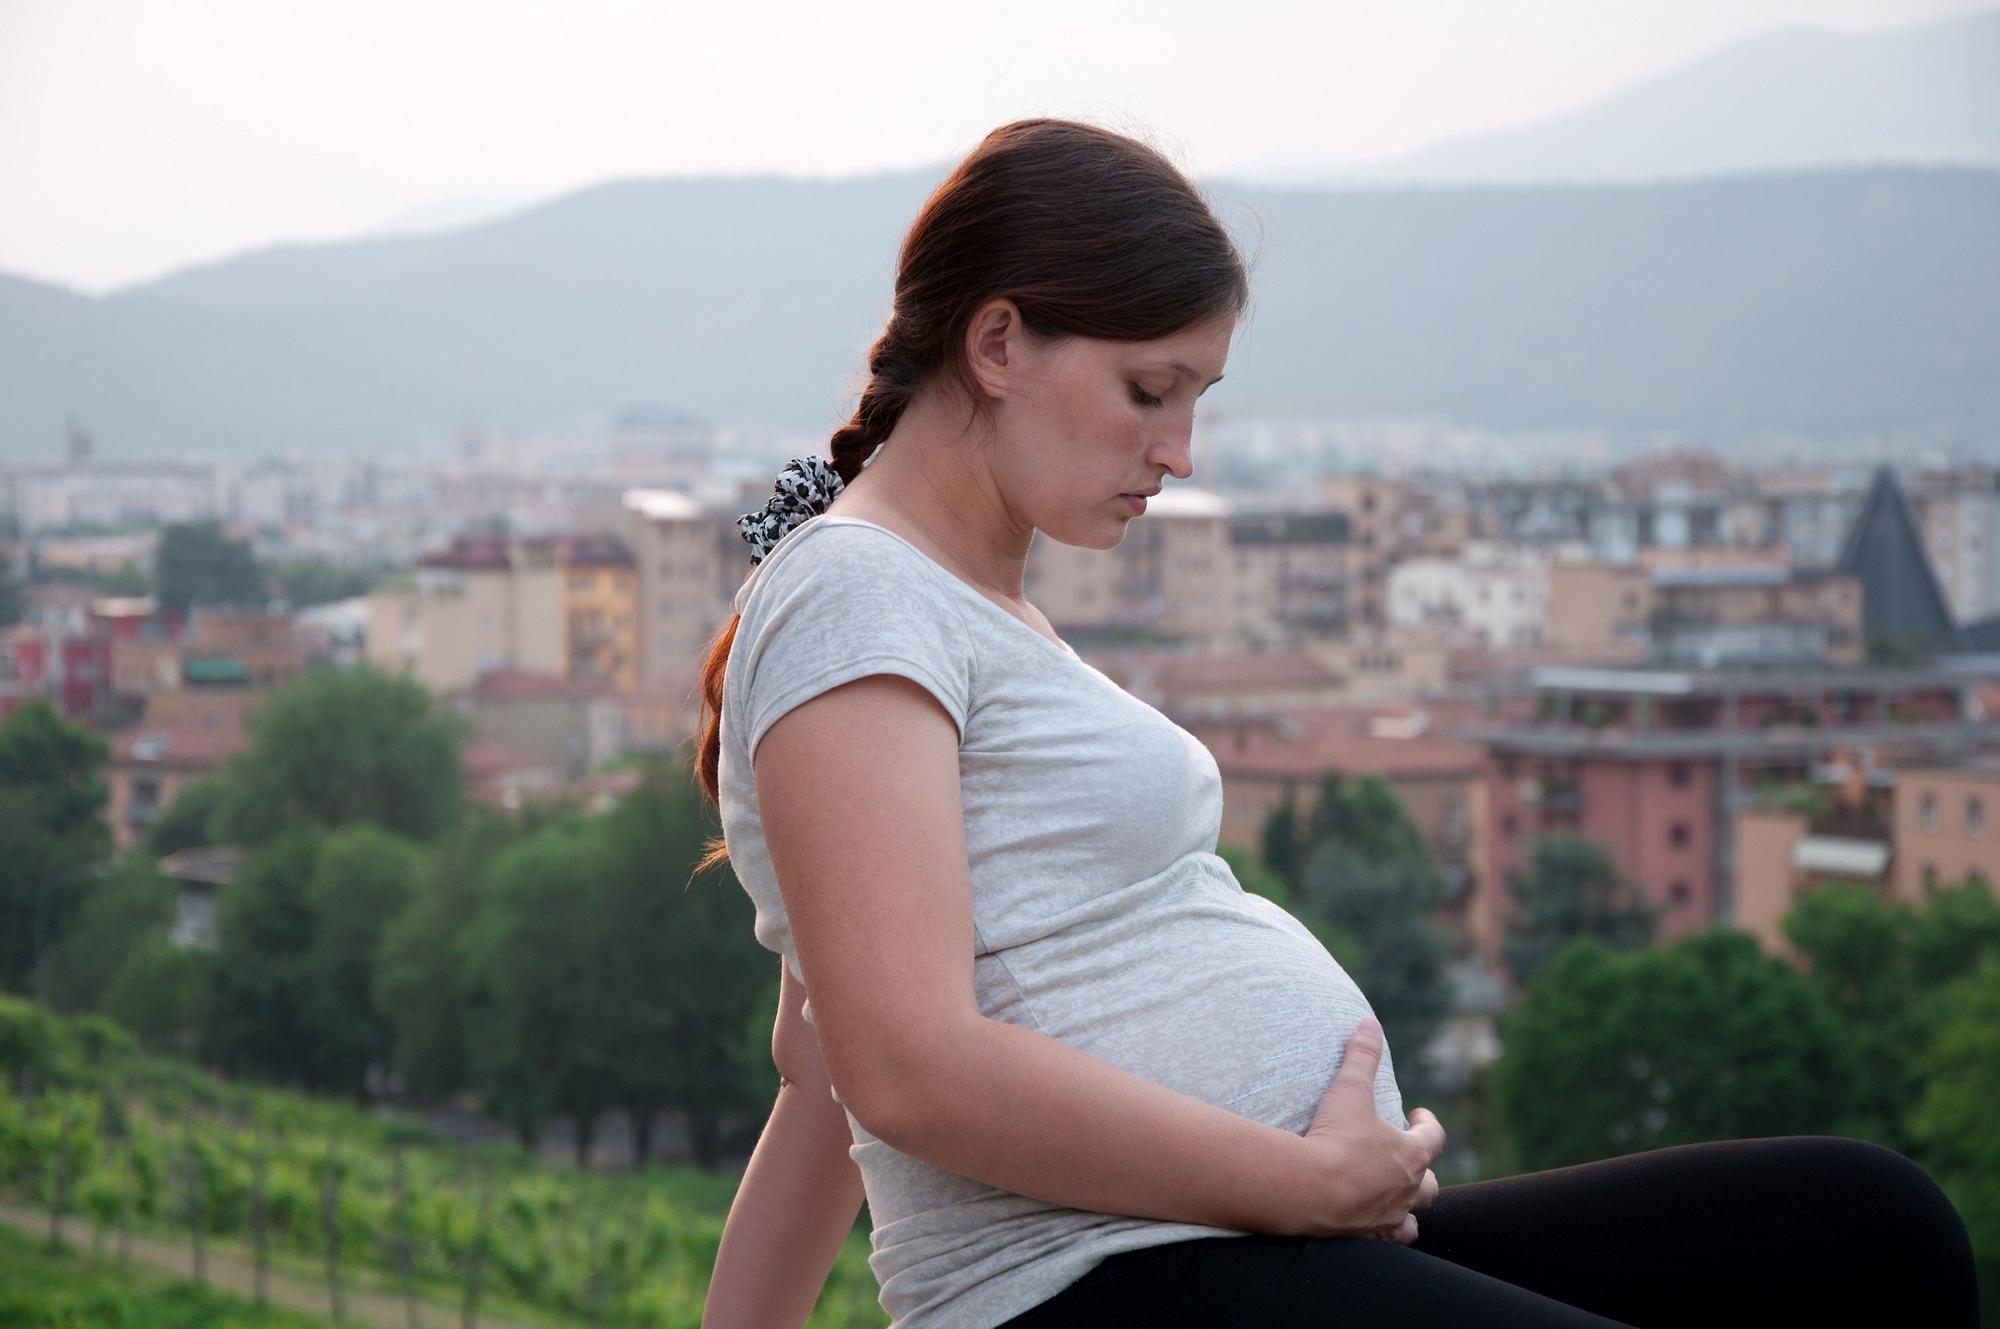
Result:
<point x="798" y="1198"/>
<point x="859" y="796"/>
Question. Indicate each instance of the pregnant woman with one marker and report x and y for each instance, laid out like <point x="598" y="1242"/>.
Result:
<point x="1080" y="1075"/>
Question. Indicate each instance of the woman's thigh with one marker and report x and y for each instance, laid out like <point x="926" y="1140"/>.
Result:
<point x="1791" y="1230"/>
<point x="1266" y="1282"/>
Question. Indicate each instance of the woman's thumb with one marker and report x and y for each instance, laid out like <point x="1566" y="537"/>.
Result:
<point x="1364" y="1052"/>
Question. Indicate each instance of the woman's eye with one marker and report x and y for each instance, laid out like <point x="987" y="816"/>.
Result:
<point x="1143" y="397"/>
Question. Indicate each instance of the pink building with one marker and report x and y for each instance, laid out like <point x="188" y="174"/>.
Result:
<point x="1654" y="763"/>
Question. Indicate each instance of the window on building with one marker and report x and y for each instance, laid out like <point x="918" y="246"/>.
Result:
<point x="1927" y="810"/>
<point x="1678" y="835"/>
<point x="1930" y="875"/>
<point x="1510" y="825"/>
<point x="1679" y="774"/>
<point x="1975" y="814"/>
<point x="1680" y="893"/>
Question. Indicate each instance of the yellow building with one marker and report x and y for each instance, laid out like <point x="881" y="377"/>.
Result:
<point x="1943" y="833"/>
<point x="601" y="609"/>
<point x="562" y="605"/>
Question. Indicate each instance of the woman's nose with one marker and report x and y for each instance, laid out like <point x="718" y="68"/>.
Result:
<point x="1177" y="455"/>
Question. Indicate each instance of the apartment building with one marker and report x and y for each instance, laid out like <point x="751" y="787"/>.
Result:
<point x="1655" y="763"/>
<point x="687" y="570"/>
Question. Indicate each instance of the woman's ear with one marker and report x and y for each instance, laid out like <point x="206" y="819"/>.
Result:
<point x="994" y="344"/>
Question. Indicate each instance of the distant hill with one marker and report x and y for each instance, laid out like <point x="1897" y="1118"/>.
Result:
<point x="1791" y="99"/>
<point x="1836" y="301"/>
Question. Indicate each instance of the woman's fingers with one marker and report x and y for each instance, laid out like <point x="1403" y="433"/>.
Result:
<point x="1427" y="1131"/>
<point x="1427" y="1191"/>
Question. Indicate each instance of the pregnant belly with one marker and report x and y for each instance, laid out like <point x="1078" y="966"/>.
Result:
<point x="1204" y="988"/>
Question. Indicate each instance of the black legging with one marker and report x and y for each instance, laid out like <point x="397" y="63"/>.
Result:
<point x="1793" y="1230"/>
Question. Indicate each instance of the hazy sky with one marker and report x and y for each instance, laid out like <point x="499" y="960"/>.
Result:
<point x="136" y="137"/>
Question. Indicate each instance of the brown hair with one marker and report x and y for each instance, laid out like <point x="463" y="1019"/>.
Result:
<point x="1090" y="233"/>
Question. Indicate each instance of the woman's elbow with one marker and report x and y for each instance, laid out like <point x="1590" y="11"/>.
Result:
<point x="892" y="1089"/>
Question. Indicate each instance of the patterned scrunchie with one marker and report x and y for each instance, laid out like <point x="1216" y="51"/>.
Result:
<point x="804" y="488"/>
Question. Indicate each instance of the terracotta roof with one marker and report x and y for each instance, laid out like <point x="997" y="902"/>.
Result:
<point x="1308" y="743"/>
<point x="595" y="549"/>
<point x="185" y="746"/>
<point x="1170" y="671"/>
<point x="528" y="684"/>
<point x="1481" y="663"/>
<point x="482" y="553"/>
<point x="672" y="691"/>
<point x="483" y="760"/>
<point x="193" y="729"/>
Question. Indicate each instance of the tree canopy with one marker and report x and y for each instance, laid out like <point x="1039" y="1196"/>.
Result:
<point x="197" y="564"/>
<point x="1613" y="1052"/>
<point x="1570" y="888"/>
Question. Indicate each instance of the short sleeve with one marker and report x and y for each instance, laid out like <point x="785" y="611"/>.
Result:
<point x="848" y="603"/>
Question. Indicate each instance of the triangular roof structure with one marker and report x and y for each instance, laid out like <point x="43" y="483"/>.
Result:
<point x="1900" y="594"/>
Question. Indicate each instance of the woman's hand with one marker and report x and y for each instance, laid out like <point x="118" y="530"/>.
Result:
<point x="1379" y="1178"/>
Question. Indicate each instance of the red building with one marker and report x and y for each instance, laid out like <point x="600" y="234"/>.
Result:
<point x="1654" y="763"/>
<point x="69" y="670"/>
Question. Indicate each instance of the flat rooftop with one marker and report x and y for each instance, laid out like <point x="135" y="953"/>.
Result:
<point x="1788" y="680"/>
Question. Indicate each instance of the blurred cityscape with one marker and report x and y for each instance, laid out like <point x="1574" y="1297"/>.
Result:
<point x="1657" y="655"/>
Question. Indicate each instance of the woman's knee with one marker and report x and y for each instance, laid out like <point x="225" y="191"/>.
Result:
<point x="1900" y="1203"/>
<point x="1854" y="1167"/>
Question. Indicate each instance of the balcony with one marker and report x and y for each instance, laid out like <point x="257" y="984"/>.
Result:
<point x="1559" y="798"/>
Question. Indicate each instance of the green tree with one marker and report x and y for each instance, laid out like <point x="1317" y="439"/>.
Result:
<point x="1612" y="1052"/>
<point x="129" y="906"/>
<point x="1368" y="872"/>
<point x="528" y="962"/>
<point x="344" y="747"/>
<point x="10" y="593"/>
<point x="257" y="1011"/>
<point x="197" y="564"/>
<point x="1366" y="817"/>
<point x="189" y="821"/>
<point x="1381" y="904"/>
<point x="1284" y="839"/>
<point x="1956" y="1132"/>
<point x="1957" y="929"/>
<point x="1259" y="881"/>
<point x="161" y="994"/>
<point x="126" y="579"/>
<point x="1883" y="964"/>
<point x="52" y="827"/>
<point x="678" y="966"/>
<point x="1856" y="946"/>
<point x="1570" y="889"/>
<point x="313" y="581"/>
<point x="361" y="883"/>
<point x="420" y="979"/>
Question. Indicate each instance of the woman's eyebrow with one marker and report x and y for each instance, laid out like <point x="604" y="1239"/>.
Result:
<point x="1188" y="371"/>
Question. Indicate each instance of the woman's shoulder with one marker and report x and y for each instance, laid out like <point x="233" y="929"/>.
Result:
<point x="846" y="556"/>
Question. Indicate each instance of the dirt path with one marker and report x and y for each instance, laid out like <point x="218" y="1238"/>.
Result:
<point x="230" y="1269"/>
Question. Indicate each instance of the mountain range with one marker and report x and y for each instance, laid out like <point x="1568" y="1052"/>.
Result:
<point x="1782" y="293"/>
<point x="1787" y="99"/>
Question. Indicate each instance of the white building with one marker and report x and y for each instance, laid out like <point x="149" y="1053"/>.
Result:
<point x="1493" y="593"/>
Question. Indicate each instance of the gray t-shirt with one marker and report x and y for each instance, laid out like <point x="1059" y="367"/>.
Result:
<point x="1102" y="915"/>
